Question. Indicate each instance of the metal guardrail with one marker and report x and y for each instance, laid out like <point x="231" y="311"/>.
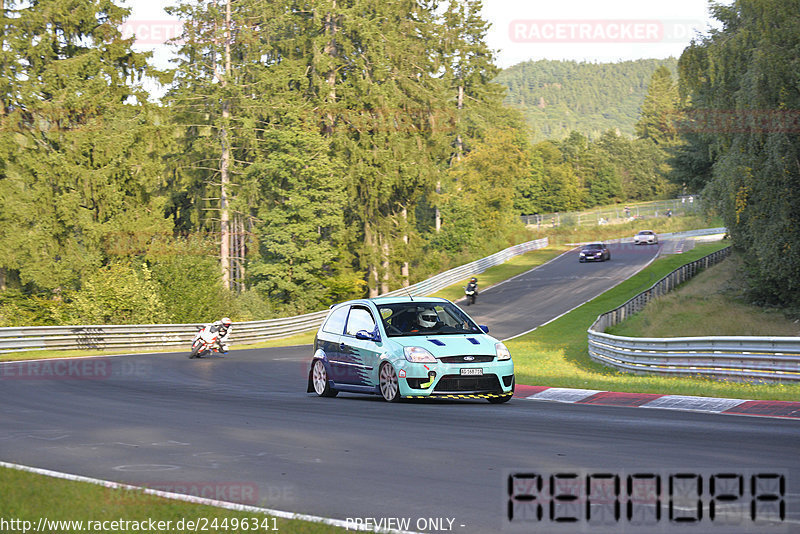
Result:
<point x="114" y="337"/>
<point x="745" y="357"/>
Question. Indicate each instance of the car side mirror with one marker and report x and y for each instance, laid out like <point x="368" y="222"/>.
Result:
<point x="484" y="328"/>
<point x="368" y="336"/>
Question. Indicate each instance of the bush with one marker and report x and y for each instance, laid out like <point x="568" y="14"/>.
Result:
<point x="189" y="284"/>
<point x="119" y="294"/>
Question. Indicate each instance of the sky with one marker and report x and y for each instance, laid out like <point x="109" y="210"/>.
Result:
<point x="522" y="30"/>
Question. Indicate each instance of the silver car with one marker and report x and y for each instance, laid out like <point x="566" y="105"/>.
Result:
<point x="645" y="237"/>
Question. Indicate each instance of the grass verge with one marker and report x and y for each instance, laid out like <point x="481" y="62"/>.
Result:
<point x="32" y="497"/>
<point x="710" y="304"/>
<point x="556" y="354"/>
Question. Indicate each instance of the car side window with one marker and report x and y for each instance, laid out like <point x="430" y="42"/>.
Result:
<point x="335" y="322"/>
<point x="360" y="319"/>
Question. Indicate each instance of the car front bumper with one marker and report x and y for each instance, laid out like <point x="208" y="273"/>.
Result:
<point x="446" y="379"/>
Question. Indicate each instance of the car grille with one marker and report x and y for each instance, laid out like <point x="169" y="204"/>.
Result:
<point x="460" y="359"/>
<point x="464" y="384"/>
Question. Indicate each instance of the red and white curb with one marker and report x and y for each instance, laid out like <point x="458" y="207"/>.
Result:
<point x="779" y="409"/>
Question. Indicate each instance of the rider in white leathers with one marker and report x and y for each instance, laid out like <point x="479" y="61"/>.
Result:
<point x="223" y="328"/>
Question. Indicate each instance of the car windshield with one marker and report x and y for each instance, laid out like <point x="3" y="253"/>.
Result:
<point x="593" y="246"/>
<point x="425" y="318"/>
<point x="645" y="232"/>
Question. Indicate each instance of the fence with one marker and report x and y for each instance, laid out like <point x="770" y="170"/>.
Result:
<point x="687" y="205"/>
<point x="115" y="337"/>
<point x="745" y="357"/>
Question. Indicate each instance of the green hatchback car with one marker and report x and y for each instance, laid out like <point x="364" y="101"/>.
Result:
<point x="408" y="347"/>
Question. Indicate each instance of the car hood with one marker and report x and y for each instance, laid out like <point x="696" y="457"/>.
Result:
<point x="451" y="345"/>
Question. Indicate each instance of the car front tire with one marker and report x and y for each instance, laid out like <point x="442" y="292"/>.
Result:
<point x="319" y="379"/>
<point x="389" y="386"/>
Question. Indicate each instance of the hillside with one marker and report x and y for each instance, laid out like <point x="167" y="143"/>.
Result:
<point x="559" y="96"/>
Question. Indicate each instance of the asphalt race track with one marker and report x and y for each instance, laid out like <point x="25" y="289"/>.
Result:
<point x="242" y="428"/>
<point x="522" y="303"/>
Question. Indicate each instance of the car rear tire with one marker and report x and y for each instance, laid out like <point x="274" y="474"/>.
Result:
<point x="387" y="380"/>
<point x="319" y="379"/>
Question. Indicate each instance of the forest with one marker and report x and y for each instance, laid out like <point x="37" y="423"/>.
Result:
<point x="558" y="97"/>
<point x="739" y="138"/>
<point x="304" y="153"/>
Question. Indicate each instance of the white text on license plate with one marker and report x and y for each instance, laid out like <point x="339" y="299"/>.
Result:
<point x="471" y="371"/>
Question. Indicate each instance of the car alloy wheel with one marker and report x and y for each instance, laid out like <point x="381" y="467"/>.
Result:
<point x="319" y="379"/>
<point x="390" y="389"/>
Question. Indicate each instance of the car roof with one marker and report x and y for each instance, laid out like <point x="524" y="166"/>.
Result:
<point x="646" y="232"/>
<point x="379" y="301"/>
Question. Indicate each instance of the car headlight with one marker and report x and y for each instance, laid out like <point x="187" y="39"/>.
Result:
<point x="583" y="254"/>
<point x="418" y="355"/>
<point x="502" y="352"/>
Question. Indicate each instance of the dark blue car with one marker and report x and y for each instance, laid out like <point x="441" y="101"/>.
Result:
<point x="594" y="252"/>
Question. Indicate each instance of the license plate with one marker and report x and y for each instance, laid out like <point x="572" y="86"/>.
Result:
<point x="471" y="371"/>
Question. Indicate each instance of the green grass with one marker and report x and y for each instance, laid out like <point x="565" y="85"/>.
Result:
<point x="556" y="354"/>
<point x="29" y="497"/>
<point x="710" y="304"/>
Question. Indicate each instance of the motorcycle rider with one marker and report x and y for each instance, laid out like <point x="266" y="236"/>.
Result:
<point x="223" y="328"/>
<point x="471" y="291"/>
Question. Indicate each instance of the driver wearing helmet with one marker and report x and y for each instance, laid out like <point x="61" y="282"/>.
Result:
<point x="426" y="320"/>
<point x="223" y="328"/>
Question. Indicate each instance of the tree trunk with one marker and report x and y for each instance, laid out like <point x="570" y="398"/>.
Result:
<point x="438" y="217"/>
<point x="224" y="168"/>
<point x="384" y="264"/>
<point x="459" y="106"/>
<point x="404" y="273"/>
<point x="372" y="270"/>
<point x="331" y="50"/>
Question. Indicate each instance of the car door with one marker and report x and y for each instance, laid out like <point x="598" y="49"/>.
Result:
<point x="360" y="355"/>
<point x="329" y="341"/>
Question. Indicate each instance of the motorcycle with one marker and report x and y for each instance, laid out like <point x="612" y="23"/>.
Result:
<point x="204" y="343"/>
<point x="471" y="292"/>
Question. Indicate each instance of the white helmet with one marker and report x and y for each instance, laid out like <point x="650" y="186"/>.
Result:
<point x="226" y="322"/>
<point x="427" y="318"/>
